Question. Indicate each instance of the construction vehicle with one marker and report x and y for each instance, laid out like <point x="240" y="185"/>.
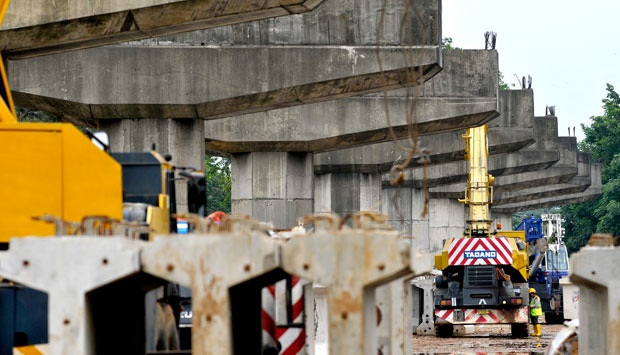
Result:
<point x="548" y="262"/>
<point x="57" y="182"/>
<point x="483" y="273"/>
<point x="85" y="190"/>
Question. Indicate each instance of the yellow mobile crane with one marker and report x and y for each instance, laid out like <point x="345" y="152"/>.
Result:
<point x="484" y="272"/>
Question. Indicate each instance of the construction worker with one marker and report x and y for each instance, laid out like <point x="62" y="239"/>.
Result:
<point x="535" y="312"/>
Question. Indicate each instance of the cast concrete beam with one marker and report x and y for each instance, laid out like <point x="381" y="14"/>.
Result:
<point x="40" y="27"/>
<point x="440" y="148"/>
<point x="516" y="182"/>
<point x="450" y="101"/>
<point x="509" y="132"/>
<point x="140" y="82"/>
<point x="523" y="161"/>
<point x="564" y="171"/>
<point x="594" y="270"/>
<point x="579" y="183"/>
<point x="515" y="171"/>
<point x="334" y="23"/>
<point x="591" y="193"/>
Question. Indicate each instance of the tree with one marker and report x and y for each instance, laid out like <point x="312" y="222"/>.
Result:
<point x="446" y="44"/>
<point x="217" y="172"/>
<point x="502" y="84"/>
<point x="580" y="224"/>
<point x="25" y="114"/>
<point x="601" y="141"/>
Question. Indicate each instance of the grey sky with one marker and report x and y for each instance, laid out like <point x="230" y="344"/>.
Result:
<point x="570" y="48"/>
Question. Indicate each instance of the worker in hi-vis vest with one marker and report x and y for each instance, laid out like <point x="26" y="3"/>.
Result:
<point x="535" y="312"/>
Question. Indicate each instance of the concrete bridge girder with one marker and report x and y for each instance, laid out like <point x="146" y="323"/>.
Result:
<point x="510" y="179"/>
<point x="557" y="182"/>
<point x="577" y="184"/>
<point x="526" y="160"/>
<point x="570" y="172"/>
<point x="445" y="103"/>
<point x="563" y="170"/>
<point x="510" y="132"/>
<point x="41" y="27"/>
<point x="144" y="82"/>
<point x="336" y="125"/>
<point x="440" y="148"/>
<point x="35" y="27"/>
<point x="335" y="22"/>
<point x="591" y="193"/>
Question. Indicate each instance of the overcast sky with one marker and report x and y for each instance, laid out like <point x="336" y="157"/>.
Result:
<point x="570" y="48"/>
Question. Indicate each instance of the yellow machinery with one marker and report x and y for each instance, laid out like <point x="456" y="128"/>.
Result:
<point x="484" y="273"/>
<point x="52" y="172"/>
<point x="50" y="169"/>
<point x="53" y="169"/>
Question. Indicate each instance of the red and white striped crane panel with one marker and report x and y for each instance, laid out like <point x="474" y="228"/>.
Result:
<point x="480" y="251"/>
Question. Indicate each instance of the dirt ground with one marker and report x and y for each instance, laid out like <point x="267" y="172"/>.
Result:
<point x="486" y="339"/>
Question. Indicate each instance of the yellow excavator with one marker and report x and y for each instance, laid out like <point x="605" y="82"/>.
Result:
<point x="483" y="273"/>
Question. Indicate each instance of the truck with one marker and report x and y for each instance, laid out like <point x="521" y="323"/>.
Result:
<point x="483" y="273"/>
<point x="549" y="262"/>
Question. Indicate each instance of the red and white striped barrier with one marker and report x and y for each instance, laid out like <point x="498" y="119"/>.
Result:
<point x="269" y="316"/>
<point x="290" y="330"/>
<point x="283" y="316"/>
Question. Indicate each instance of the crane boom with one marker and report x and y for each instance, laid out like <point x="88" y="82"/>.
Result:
<point x="479" y="191"/>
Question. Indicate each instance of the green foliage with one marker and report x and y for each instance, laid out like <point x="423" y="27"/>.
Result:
<point x="601" y="141"/>
<point x="580" y="224"/>
<point x="29" y="115"/>
<point x="446" y="44"/>
<point x="520" y="216"/>
<point x="502" y="84"/>
<point x="217" y="172"/>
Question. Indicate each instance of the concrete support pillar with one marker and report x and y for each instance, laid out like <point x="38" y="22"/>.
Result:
<point x="86" y="279"/>
<point x="273" y="187"/>
<point x="394" y="325"/>
<point x="347" y="193"/>
<point x="182" y="139"/>
<point x="378" y="257"/>
<point x="226" y="273"/>
<point x="423" y="320"/>
<point x="505" y="219"/>
<point x="445" y="218"/>
<point x="595" y="270"/>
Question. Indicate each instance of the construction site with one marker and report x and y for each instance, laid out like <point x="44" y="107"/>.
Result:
<point x="374" y="179"/>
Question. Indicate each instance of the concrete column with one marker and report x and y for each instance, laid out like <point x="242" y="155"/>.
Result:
<point x="86" y="278"/>
<point x="273" y="187"/>
<point x="505" y="219"/>
<point x="445" y="218"/>
<point x="404" y="210"/>
<point x="182" y="139"/>
<point x="347" y="193"/>
<point x="394" y="325"/>
<point x="595" y="270"/>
